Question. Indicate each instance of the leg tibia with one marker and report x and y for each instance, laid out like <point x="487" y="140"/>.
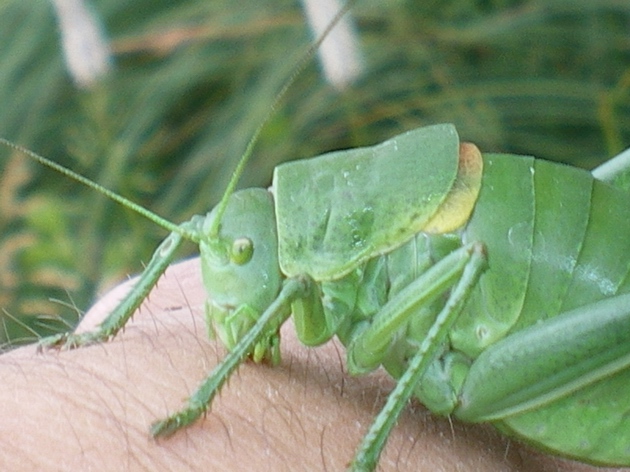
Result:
<point x="375" y="439"/>
<point x="160" y="260"/>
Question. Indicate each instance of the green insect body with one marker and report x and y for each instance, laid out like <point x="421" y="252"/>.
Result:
<point x="491" y="287"/>
<point x="542" y="343"/>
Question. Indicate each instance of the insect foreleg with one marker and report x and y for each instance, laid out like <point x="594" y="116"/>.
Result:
<point x="160" y="260"/>
<point x="374" y="441"/>
<point x="267" y="325"/>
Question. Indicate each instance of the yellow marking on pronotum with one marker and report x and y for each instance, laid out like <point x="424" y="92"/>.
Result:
<point x="456" y="209"/>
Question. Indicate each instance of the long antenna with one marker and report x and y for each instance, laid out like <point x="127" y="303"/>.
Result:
<point x="108" y="193"/>
<point x="297" y="70"/>
<point x="214" y="230"/>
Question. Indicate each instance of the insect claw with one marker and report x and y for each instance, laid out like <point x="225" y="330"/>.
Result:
<point x="51" y="342"/>
<point x="68" y="341"/>
<point x="164" y="428"/>
<point x="169" y="426"/>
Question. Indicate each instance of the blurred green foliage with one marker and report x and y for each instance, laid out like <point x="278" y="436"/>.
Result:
<point x="193" y="79"/>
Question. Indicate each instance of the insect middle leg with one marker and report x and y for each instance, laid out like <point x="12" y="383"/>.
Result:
<point x="460" y="270"/>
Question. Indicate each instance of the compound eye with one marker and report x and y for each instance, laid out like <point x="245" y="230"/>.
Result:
<point x="242" y="251"/>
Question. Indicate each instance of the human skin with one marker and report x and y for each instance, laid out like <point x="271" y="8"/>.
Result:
<point x="91" y="408"/>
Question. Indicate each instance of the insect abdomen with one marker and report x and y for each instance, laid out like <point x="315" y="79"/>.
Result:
<point x="563" y="248"/>
<point x="553" y="236"/>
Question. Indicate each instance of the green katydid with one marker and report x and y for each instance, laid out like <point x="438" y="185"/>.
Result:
<point x="490" y="286"/>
